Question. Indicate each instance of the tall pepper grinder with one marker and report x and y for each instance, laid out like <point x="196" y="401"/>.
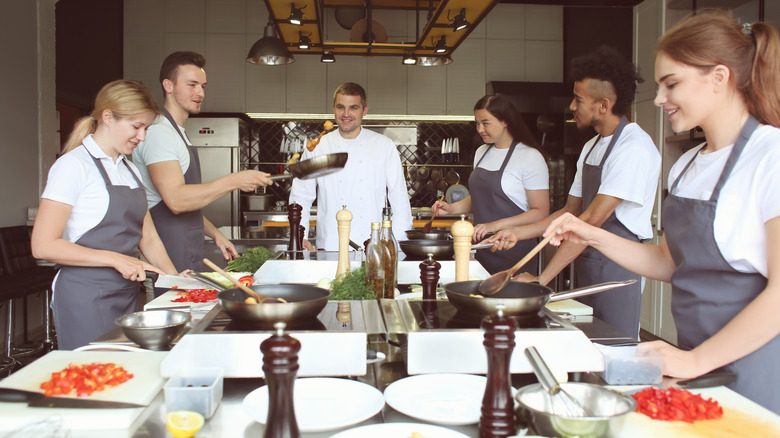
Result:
<point x="294" y="217"/>
<point x="462" y="231"/>
<point x="343" y="217"/>
<point x="498" y="418"/>
<point x="280" y="365"/>
<point x="429" y="277"/>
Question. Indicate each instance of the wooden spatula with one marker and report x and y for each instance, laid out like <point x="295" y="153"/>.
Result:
<point x="427" y="226"/>
<point x="238" y="284"/>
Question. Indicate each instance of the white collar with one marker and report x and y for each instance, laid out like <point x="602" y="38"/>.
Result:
<point x="95" y="151"/>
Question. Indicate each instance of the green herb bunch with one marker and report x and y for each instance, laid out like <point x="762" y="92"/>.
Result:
<point x="352" y="286"/>
<point x="250" y="260"/>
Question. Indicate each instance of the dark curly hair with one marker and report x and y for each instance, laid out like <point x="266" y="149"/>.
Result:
<point x="607" y="64"/>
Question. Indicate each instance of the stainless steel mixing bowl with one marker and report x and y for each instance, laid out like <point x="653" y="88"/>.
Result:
<point x="153" y="329"/>
<point x="532" y="409"/>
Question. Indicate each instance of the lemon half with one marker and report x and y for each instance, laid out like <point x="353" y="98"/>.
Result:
<point x="184" y="424"/>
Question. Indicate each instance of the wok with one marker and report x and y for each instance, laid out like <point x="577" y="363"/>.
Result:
<point x="419" y="249"/>
<point x="517" y="298"/>
<point x="315" y="167"/>
<point x="419" y="234"/>
<point x="304" y="302"/>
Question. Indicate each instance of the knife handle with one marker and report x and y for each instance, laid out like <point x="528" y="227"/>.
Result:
<point x="708" y="380"/>
<point x="17" y="395"/>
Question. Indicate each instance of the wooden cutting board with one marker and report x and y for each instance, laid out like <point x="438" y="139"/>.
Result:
<point x="142" y="388"/>
<point x="741" y="418"/>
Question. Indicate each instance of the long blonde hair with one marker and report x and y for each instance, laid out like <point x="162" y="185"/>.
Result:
<point x="750" y="51"/>
<point x="124" y="98"/>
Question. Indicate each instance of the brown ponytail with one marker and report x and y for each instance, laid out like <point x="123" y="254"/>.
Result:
<point x="751" y="53"/>
<point x="123" y="98"/>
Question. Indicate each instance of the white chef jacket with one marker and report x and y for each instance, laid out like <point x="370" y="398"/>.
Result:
<point x="373" y="172"/>
<point x="749" y="199"/>
<point x="162" y="143"/>
<point x="630" y="173"/>
<point x="526" y="170"/>
<point x="75" y="180"/>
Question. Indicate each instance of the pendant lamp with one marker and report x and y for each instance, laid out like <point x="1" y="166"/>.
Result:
<point x="269" y="50"/>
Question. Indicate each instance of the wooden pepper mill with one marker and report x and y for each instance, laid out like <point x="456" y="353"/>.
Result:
<point x="462" y="231"/>
<point x="498" y="416"/>
<point x="344" y="218"/>
<point x="294" y="217"/>
<point x="429" y="277"/>
<point x="280" y="365"/>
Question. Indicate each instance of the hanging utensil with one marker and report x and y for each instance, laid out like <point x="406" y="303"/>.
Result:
<point x="443" y="149"/>
<point x="497" y="281"/>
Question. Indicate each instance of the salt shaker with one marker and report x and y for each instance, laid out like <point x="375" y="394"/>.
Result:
<point x="498" y="417"/>
<point x="344" y="218"/>
<point x="280" y="365"/>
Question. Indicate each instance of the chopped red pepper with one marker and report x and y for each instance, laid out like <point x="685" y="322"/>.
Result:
<point x="676" y="405"/>
<point x="196" y="296"/>
<point x="247" y="280"/>
<point x="85" y="379"/>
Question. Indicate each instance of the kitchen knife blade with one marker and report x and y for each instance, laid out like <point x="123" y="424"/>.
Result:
<point x="704" y="381"/>
<point x="38" y="400"/>
<point x="443" y="149"/>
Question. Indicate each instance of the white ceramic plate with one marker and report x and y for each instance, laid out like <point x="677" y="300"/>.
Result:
<point x="398" y="430"/>
<point x="321" y="403"/>
<point x="449" y="399"/>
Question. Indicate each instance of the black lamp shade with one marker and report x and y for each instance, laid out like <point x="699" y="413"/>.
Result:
<point x="269" y="50"/>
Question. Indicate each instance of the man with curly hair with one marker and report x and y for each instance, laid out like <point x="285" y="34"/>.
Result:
<point x="614" y="187"/>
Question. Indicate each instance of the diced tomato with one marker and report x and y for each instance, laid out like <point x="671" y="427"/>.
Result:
<point x="196" y="296"/>
<point x="676" y="405"/>
<point x="247" y="280"/>
<point x="83" y="380"/>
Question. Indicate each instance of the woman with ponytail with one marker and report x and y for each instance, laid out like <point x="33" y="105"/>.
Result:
<point x="92" y="220"/>
<point x="721" y="246"/>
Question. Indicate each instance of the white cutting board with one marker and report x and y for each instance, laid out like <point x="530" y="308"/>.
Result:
<point x="741" y="418"/>
<point x="165" y="301"/>
<point x="141" y="389"/>
<point x="572" y="307"/>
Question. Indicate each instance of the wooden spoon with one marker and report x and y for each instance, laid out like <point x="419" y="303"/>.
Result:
<point x="259" y="298"/>
<point x="493" y="284"/>
<point x="427" y="226"/>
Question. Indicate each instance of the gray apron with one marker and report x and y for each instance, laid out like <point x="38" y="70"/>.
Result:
<point x="707" y="292"/>
<point x="489" y="203"/>
<point x="87" y="300"/>
<point x="182" y="234"/>
<point x="619" y="308"/>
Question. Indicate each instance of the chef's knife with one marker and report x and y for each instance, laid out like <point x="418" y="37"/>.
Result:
<point x="443" y="149"/>
<point x="38" y="400"/>
<point x="704" y="381"/>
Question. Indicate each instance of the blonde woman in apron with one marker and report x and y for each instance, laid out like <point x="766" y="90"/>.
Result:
<point x="93" y="221"/>
<point x="722" y="215"/>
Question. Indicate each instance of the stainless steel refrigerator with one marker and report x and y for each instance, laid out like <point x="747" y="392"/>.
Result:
<point x="218" y="141"/>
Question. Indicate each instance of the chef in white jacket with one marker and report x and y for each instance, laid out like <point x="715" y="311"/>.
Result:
<point x="373" y="174"/>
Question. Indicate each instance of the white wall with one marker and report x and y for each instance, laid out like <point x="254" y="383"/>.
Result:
<point x="513" y="43"/>
<point x="29" y="141"/>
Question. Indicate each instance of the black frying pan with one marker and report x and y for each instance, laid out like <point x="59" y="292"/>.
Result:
<point x="315" y="167"/>
<point x="304" y="302"/>
<point x="516" y="298"/>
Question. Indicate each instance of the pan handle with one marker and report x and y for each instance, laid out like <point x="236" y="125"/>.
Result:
<point x="589" y="290"/>
<point x="281" y="176"/>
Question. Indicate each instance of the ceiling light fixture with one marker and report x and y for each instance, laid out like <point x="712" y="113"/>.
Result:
<point x="441" y="45"/>
<point x="269" y="50"/>
<point x="296" y="15"/>
<point x="327" y="57"/>
<point x="459" y="22"/>
<point x="303" y="41"/>
<point x="409" y="59"/>
<point x="433" y="61"/>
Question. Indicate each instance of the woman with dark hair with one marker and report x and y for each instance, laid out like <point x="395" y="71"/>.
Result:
<point x="509" y="183"/>
<point x="721" y="246"/>
<point x="92" y="220"/>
